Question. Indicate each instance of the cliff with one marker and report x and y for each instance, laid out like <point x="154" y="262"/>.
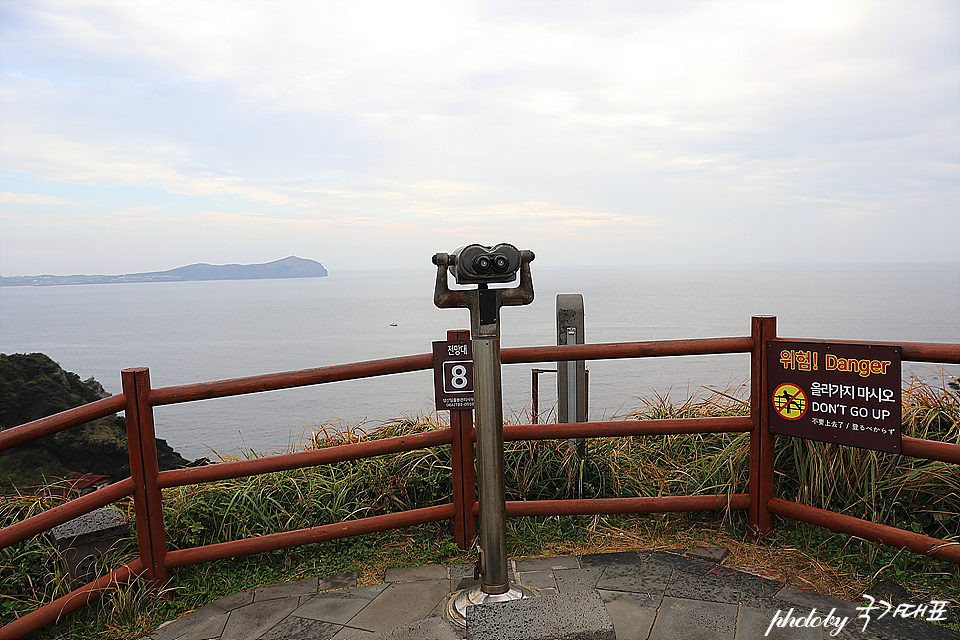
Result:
<point x="33" y="386"/>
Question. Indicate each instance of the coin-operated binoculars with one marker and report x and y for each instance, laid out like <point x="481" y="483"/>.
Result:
<point x="480" y="265"/>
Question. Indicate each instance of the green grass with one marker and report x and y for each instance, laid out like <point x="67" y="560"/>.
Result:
<point x="923" y="496"/>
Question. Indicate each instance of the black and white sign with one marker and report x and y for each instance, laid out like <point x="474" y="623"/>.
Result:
<point x="453" y="375"/>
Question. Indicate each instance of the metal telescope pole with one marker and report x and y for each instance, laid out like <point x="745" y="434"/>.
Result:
<point x="488" y="404"/>
<point x="484" y="305"/>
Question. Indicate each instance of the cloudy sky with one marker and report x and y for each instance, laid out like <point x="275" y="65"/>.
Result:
<point x="140" y="136"/>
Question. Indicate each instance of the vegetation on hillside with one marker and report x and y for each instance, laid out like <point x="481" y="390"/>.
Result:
<point x="32" y="386"/>
<point x="918" y="495"/>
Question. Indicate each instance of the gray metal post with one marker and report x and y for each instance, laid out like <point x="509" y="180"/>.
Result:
<point x="572" y="374"/>
<point x="493" y="511"/>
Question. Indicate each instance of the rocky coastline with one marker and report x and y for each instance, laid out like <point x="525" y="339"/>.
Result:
<point x="33" y="386"/>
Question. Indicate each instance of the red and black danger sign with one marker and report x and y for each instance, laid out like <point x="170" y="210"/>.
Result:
<point x="842" y="393"/>
<point x="453" y="375"/>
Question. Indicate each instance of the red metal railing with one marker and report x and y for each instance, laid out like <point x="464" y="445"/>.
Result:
<point x="138" y="400"/>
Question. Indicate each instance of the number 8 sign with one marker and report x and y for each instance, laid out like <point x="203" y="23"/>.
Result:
<point x="453" y="375"/>
<point x="458" y="376"/>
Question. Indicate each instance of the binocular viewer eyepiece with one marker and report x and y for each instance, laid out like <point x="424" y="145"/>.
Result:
<point x="477" y="264"/>
<point x="487" y="263"/>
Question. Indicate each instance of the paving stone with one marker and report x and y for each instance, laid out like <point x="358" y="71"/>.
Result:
<point x="252" y="620"/>
<point x="805" y="601"/>
<point x="429" y="629"/>
<point x="339" y="581"/>
<point x="682" y="563"/>
<point x="754" y="623"/>
<point x="465" y="583"/>
<point x="639" y="578"/>
<point x="401" y="603"/>
<point x="607" y="559"/>
<point x="201" y="624"/>
<point x="574" y="580"/>
<point x="293" y="628"/>
<point x="463" y="570"/>
<point x="637" y="599"/>
<point x="709" y="553"/>
<point x="694" y="620"/>
<point x="157" y="633"/>
<point x="286" y="589"/>
<point x="710" y="586"/>
<point x="854" y="631"/>
<point x="644" y="594"/>
<point x="887" y="628"/>
<point x="721" y="584"/>
<point x="538" y="580"/>
<point x="348" y="633"/>
<point x="579" y="616"/>
<point x="338" y="607"/>
<point x="811" y="599"/>
<point x="369" y="592"/>
<point x="209" y="630"/>
<point x="440" y="611"/>
<point x="234" y="600"/>
<point x="759" y="593"/>
<point x="408" y="574"/>
<point x="632" y="614"/>
<point x="547" y="564"/>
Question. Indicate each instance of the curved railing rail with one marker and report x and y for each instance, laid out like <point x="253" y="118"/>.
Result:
<point x="146" y="482"/>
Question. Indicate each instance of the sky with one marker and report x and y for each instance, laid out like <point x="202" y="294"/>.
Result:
<point x="143" y="136"/>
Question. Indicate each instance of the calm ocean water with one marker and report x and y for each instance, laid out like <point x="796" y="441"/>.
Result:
<point x="198" y="331"/>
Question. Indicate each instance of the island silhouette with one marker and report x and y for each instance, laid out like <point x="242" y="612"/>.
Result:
<point x="289" y="267"/>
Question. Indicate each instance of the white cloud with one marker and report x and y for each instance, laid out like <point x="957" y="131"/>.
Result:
<point x="622" y="120"/>
<point x="31" y="198"/>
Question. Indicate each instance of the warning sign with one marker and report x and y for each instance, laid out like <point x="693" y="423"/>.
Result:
<point x="789" y="401"/>
<point x="453" y="375"/>
<point x="842" y="393"/>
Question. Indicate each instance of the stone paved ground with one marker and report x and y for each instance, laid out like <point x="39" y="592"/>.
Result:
<point x="647" y="595"/>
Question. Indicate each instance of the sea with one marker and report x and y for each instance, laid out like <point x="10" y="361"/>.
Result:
<point x="187" y="332"/>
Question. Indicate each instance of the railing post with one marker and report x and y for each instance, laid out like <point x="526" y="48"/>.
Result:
<point x="763" y="328"/>
<point x="464" y="472"/>
<point x="144" y="469"/>
<point x="535" y="395"/>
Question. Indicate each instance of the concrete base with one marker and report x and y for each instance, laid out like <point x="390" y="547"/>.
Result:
<point x="456" y="609"/>
<point x="84" y="539"/>
<point x="577" y="616"/>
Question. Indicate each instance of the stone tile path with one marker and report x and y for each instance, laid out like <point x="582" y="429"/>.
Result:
<point x="647" y="595"/>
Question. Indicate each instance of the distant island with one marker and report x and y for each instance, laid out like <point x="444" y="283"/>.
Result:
<point x="291" y="267"/>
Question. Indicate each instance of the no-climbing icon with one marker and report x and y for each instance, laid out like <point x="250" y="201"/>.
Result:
<point x="789" y="401"/>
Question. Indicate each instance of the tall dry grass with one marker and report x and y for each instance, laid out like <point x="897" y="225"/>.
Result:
<point x="910" y="493"/>
<point x="919" y="495"/>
